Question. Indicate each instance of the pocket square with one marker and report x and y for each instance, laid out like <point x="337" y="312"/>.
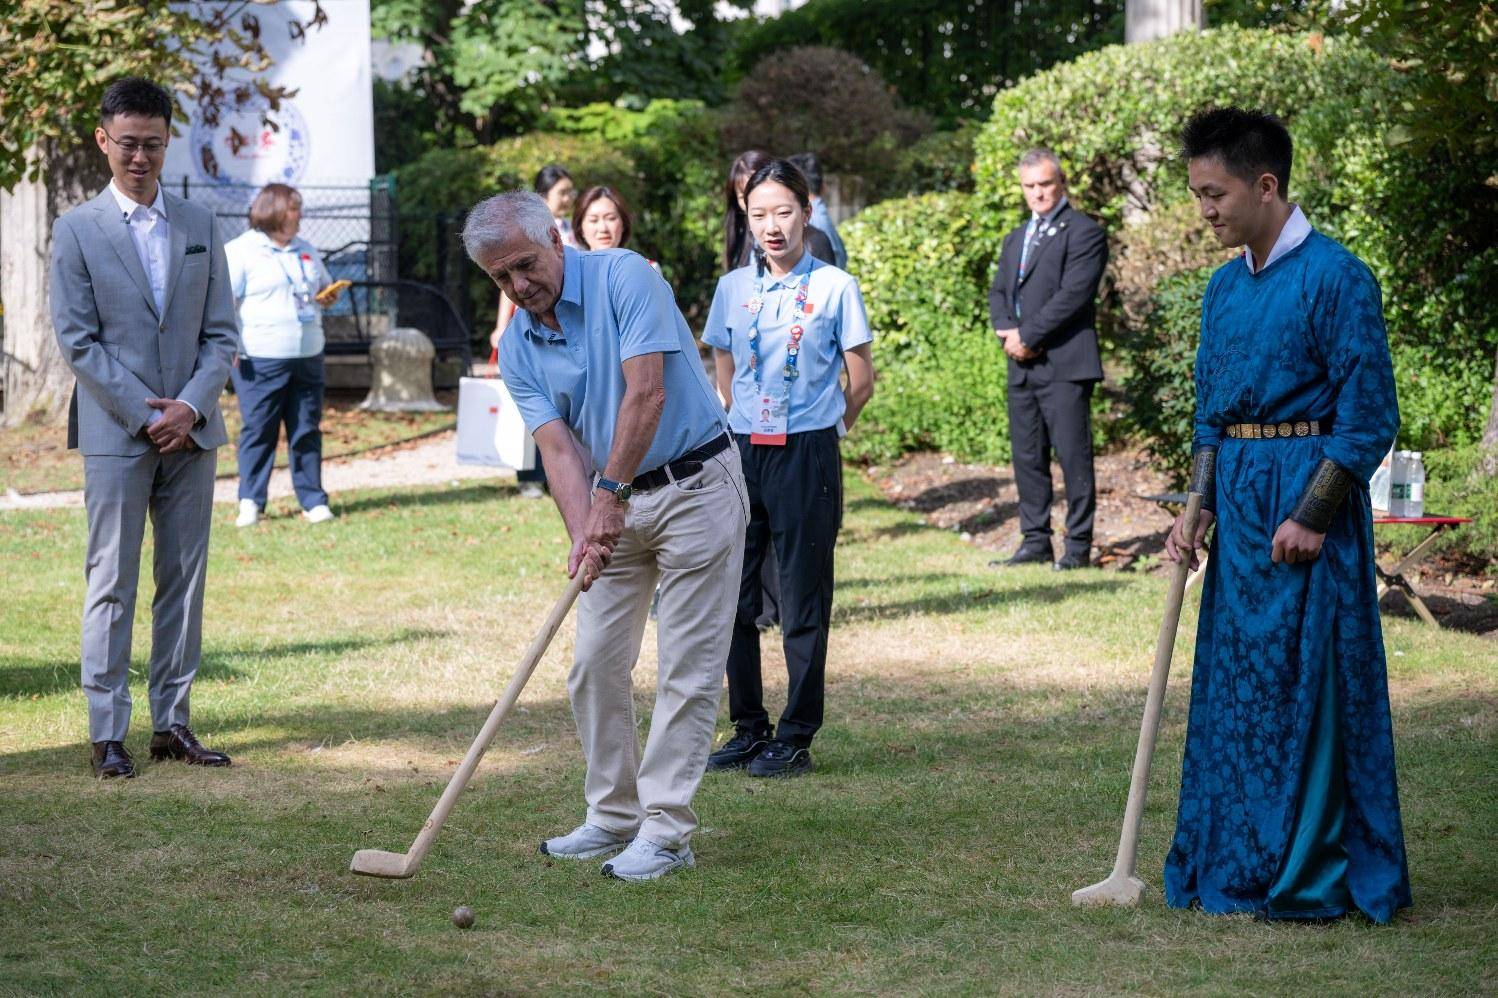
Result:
<point x="195" y="248"/>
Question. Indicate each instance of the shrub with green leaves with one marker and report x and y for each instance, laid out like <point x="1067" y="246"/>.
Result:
<point x="923" y="264"/>
<point x="1408" y="216"/>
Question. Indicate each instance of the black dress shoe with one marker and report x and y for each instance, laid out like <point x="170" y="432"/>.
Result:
<point x="738" y="751"/>
<point x="1072" y="561"/>
<point x="111" y="760"/>
<point x="1024" y="556"/>
<point x="181" y="743"/>
<point x="781" y="759"/>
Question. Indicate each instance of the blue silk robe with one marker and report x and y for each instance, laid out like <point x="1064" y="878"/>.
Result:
<point x="1288" y="800"/>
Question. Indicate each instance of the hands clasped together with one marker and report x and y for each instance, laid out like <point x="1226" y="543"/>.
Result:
<point x="170" y="430"/>
<point x="1014" y="346"/>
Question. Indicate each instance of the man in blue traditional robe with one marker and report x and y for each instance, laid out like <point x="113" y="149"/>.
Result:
<point x="1289" y="807"/>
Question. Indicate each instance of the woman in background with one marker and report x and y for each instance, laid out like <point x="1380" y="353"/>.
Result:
<point x="281" y="286"/>
<point x="783" y="330"/>
<point x="555" y="184"/>
<point x="738" y="241"/>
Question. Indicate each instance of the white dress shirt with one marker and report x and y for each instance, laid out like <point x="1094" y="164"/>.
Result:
<point x="1295" y="231"/>
<point x="152" y="235"/>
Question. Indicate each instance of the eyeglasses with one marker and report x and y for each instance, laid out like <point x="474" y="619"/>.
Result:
<point x="151" y="147"/>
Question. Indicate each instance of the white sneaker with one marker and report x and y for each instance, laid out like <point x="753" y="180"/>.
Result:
<point x="318" y="514"/>
<point x="584" y="842"/>
<point x="647" y="860"/>
<point x="530" y="490"/>
<point x="249" y="513"/>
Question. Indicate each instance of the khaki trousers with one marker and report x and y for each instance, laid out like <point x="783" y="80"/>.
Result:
<point x="688" y="535"/>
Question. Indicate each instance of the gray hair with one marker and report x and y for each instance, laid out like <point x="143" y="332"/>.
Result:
<point x="1040" y="154"/>
<point x="494" y="221"/>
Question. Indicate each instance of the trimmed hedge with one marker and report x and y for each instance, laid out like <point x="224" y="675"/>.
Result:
<point x="924" y="264"/>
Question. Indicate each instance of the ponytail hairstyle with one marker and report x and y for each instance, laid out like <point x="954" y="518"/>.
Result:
<point x="735" y="222"/>
<point x="784" y="173"/>
<point x="548" y="177"/>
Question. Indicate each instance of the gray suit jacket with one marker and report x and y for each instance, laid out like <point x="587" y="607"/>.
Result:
<point x="121" y="351"/>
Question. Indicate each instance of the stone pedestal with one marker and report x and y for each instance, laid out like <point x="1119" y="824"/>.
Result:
<point x="402" y="377"/>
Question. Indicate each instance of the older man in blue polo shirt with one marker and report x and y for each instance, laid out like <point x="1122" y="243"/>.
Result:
<point x="606" y="374"/>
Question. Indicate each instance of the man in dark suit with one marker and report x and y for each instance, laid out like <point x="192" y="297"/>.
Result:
<point x="145" y="318"/>
<point x="1043" y="305"/>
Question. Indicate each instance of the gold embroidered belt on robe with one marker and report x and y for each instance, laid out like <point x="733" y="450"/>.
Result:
<point x="1271" y="431"/>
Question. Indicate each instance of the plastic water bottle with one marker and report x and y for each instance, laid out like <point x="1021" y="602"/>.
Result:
<point x="1415" y="488"/>
<point x="1378" y="485"/>
<point x="1399" y="485"/>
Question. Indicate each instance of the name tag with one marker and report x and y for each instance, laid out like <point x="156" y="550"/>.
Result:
<point x="771" y="417"/>
<point x="306" y="308"/>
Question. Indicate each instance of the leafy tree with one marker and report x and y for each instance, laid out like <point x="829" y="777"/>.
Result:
<point x="1450" y="111"/>
<point x="948" y="58"/>
<point x="826" y="101"/>
<point x="56" y="58"/>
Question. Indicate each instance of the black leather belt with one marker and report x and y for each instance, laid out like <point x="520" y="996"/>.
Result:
<point x="683" y="467"/>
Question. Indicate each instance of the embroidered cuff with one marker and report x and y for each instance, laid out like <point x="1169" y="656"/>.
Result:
<point x="1323" y="496"/>
<point x="1204" y="477"/>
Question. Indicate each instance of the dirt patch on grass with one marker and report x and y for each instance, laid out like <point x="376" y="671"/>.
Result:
<point x="980" y="503"/>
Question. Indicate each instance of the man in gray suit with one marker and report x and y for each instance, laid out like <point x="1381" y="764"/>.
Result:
<point x="144" y="314"/>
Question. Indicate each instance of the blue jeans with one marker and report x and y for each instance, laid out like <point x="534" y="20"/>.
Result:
<point x="272" y="392"/>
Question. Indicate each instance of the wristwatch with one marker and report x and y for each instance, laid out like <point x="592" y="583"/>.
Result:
<point x="622" y="490"/>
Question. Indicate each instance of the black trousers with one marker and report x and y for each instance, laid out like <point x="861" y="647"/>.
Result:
<point x="795" y="509"/>
<point x="1041" y="417"/>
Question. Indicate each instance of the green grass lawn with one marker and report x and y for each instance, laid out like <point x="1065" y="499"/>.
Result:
<point x="35" y="458"/>
<point x="972" y="773"/>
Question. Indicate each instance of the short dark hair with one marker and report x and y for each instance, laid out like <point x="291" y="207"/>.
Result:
<point x="136" y="95"/>
<point x="808" y="164"/>
<point x="548" y="177"/>
<point x="601" y="193"/>
<point x="1249" y="143"/>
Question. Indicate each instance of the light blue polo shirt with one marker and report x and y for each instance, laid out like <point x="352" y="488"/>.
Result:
<point x="613" y="308"/>
<point x="837" y="322"/>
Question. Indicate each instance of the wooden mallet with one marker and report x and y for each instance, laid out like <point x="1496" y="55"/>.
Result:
<point x="1123" y="887"/>
<point x="400" y="865"/>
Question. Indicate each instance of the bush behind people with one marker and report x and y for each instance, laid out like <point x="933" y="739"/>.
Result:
<point x="1407" y="216"/>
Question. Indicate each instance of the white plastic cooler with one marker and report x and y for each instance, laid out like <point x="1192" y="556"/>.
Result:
<point x="490" y="430"/>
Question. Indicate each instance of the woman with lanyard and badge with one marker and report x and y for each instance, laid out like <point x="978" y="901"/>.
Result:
<point x="783" y="329"/>
<point x="281" y="286"/>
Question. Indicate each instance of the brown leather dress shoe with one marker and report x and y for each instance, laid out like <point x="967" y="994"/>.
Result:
<point x="111" y="760"/>
<point x="181" y="743"/>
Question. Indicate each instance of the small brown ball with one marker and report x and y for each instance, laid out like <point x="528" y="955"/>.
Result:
<point x="463" y="916"/>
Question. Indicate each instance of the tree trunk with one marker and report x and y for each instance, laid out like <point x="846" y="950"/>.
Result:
<point x="37" y="382"/>
<point x="1488" y="461"/>
<point x="1146" y="20"/>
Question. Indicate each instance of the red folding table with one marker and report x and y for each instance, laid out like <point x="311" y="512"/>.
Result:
<point x="1393" y="578"/>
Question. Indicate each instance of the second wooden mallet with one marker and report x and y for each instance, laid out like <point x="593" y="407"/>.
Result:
<point x="400" y="865"/>
<point x="1123" y="887"/>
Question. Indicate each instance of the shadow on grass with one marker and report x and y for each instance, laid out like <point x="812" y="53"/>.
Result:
<point x="961" y="601"/>
<point x="438" y="496"/>
<point x="43" y="677"/>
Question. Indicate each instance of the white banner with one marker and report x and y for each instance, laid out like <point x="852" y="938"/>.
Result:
<point x="323" y="136"/>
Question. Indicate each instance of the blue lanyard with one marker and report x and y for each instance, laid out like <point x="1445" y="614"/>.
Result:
<point x="301" y="264"/>
<point x="793" y="349"/>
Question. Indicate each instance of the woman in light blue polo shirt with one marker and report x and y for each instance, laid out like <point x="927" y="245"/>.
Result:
<point x="784" y="330"/>
<point x="282" y="286"/>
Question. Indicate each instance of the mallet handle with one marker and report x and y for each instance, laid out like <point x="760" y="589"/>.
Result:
<point x="480" y="744"/>
<point x="1149" y="728"/>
